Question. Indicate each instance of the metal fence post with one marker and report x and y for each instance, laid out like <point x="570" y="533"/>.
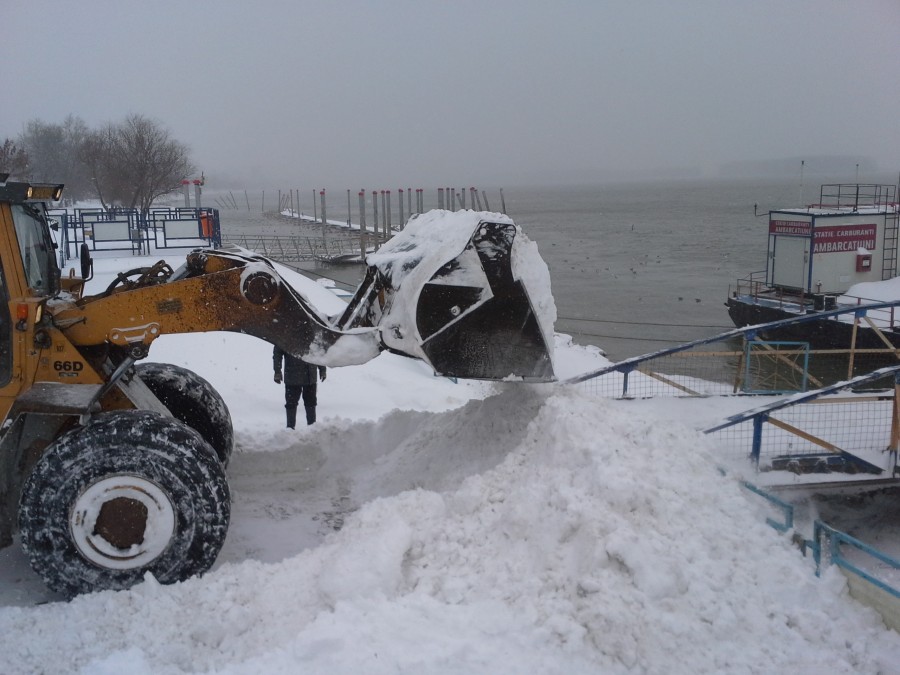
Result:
<point x="375" y="211"/>
<point x="362" y="210"/>
<point x="895" y="423"/>
<point x="757" y="437"/>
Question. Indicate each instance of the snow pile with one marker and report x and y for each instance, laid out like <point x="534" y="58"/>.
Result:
<point x="600" y="541"/>
<point x="430" y="527"/>
<point x="873" y="291"/>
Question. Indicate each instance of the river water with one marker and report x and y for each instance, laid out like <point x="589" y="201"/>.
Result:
<point x="634" y="267"/>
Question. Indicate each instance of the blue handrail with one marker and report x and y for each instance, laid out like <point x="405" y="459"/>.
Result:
<point x="749" y="332"/>
<point x="806" y="396"/>
<point x="835" y="539"/>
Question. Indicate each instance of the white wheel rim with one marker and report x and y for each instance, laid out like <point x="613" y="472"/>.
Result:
<point x="158" y="527"/>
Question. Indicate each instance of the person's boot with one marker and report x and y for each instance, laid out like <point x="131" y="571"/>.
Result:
<point x="291" y="411"/>
<point x="310" y="414"/>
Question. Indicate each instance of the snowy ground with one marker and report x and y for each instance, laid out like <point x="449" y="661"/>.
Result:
<point x="426" y="526"/>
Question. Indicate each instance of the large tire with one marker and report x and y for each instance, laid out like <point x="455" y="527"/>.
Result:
<point x="192" y="400"/>
<point x="131" y="492"/>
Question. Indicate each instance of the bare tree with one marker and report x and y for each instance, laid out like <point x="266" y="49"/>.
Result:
<point x="13" y="159"/>
<point x="135" y="162"/>
<point x="99" y="156"/>
<point x="53" y="151"/>
<point x="44" y="144"/>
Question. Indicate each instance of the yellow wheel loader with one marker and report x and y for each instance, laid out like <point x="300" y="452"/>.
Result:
<point x="112" y="467"/>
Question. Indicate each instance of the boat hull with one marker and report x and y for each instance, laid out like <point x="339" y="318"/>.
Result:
<point x="827" y="333"/>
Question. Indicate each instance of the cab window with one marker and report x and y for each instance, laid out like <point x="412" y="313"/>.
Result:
<point x="36" y="248"/>
<point x="5" y="333"/>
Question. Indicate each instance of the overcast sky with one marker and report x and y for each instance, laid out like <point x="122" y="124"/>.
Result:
<point x="366" y="94"/>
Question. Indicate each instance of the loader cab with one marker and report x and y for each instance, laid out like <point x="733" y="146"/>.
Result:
<point x="36" y="250"/>
<point x="25" y="223"/>
<point x="29" y="273"/>
<point x="5" y="333"/>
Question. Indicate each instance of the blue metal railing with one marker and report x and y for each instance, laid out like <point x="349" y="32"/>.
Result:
<point x="830" y="540"/>
<point x="835" y="540"/>
<point x="749" y="333"/>
<point x="787" y="510"/>
<point x="801" y="347"/>
<point x="129" y="229"/>
<point x="761" y="414"/>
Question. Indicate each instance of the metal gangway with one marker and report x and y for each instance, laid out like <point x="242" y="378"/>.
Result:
<point x="301" y="248"/>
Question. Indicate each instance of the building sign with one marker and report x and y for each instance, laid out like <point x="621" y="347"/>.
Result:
<point x="839" y="238"/>
<point x="829" y="238"/>
<point x="796" y="228"/>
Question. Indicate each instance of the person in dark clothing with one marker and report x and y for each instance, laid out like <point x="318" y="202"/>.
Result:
<point x="300" y="380"/>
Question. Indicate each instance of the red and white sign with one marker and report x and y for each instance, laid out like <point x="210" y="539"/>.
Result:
<point x="796" y="228"/>
<point x="841" y="238"/>
<point x="829" y="238"/>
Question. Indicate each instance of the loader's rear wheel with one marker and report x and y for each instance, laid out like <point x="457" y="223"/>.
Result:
<point x="130" y="492"/>
<point x="192" y="400"/>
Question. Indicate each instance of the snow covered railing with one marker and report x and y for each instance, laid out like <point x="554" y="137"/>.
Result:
<point x="828" y="540"/>
<point x="117" y="230"/>
<point x="738" y="361"/>
<point x="296" y="248"/>
<point x="787" y="510"/>
<point x="786" y="438"/>
<point x="873" y="577"/>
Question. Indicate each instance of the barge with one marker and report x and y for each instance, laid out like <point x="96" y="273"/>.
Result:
<point x="840" y="253"/>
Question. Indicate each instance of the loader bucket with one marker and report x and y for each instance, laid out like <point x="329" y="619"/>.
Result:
<point x="466" y="292"/>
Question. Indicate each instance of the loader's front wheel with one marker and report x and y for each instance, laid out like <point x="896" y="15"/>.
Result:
<point x="194" y="401"/>
<point x="130" y="492"/>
